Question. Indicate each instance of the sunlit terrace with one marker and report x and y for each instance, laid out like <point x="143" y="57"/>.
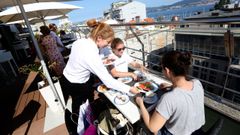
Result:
<point x="216" y="63"/>
<point x="214" y="48"/>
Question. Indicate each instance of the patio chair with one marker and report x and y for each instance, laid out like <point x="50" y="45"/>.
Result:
<point x="213" y="130"/>
<point x="6" y="56"/>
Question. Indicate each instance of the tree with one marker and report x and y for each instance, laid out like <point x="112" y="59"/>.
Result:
<point x="221" y="4"/>
<point x="228" y="2"/>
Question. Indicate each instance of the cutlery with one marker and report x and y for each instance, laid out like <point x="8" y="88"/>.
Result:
<point x="141" y="90"/>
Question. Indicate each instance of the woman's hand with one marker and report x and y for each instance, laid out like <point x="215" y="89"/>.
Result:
<point x="143" y="69"/>
<point x="139" y="99"/>
<point x="108" y="60"/>
<point x="134" y="90"/>
<point x="134" y="76"/>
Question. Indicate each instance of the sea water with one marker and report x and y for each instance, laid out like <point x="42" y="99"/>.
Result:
<point x="181" y="12"/>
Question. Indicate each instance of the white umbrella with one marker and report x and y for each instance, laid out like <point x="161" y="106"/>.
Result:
<point x="36" y="10"/>
<point x="6" y="3"/>
<point x="56" y="17"/>
<point x="38" y="20"/>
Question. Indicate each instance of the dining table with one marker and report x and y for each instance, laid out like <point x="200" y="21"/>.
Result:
<point x="130" y="109"/>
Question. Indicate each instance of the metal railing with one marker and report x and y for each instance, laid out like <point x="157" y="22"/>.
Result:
<point x="147" y="42"/>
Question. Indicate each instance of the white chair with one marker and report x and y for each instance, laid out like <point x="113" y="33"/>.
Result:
<point x="6" y="56"/>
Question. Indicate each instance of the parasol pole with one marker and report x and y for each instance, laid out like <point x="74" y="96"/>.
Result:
<point x="45" y="70"/>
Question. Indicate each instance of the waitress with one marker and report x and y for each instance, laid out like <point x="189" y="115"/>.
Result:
<point x="84" y="59"/>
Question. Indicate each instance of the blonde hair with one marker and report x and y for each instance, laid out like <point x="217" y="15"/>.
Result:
<point x="100" y="29"/>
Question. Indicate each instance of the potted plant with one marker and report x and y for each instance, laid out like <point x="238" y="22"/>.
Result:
<point x="49" y="94"/>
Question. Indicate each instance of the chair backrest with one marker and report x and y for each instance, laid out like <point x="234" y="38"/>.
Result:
<point x="215" y="128"/>
<point x="5" y="56"/>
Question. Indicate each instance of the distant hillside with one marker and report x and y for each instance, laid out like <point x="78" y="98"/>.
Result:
<point x="181" y="4"/>
<point x="186" y="2"/>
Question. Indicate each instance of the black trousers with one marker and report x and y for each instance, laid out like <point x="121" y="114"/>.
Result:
<point x="79" y="92"/>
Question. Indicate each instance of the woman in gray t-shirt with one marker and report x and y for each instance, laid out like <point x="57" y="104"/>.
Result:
<point x="181" y="110"/>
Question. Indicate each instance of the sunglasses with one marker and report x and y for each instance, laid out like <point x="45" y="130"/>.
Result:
<point x="121" y="49"/>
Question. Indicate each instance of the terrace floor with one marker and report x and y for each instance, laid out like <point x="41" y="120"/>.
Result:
<point x="23" y="109"/>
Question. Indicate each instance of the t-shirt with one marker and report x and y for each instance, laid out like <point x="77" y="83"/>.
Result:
<point x="83" y="60"/>
<point x="121" y="64"/>
<point x="183" y="110"/>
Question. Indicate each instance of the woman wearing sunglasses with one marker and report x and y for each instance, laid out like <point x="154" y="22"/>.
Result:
<point x="122" y="61"/>
<point x="85" y="60"/>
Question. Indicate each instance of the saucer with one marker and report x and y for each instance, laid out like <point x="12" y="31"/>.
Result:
<point x="121" y="99"/>
<point x="125" y="79"/>
<point x="150" y="99"/>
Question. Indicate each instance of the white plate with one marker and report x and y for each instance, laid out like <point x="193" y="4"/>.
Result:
<point x="125" y="79"/>
<point x="101" y="89"/>
<point x="153" y="85"/>
<point x="121" y="99"/>
<point x="112" y="92"/>
<point x="150" y="100"/>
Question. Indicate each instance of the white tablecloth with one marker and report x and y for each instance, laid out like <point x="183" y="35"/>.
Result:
<point x="130" y="109"/>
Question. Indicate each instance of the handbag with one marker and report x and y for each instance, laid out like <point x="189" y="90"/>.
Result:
<point x="85" y="124"/>
<point x="85" y="120"/>
<point x="106" y="123"/>
<point x="91" y="130"/>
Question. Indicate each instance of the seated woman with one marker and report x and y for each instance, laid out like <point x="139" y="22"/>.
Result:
<point x="122" y="61"/>
<point x="181" y="110"/>
<point x="51" y="51"/>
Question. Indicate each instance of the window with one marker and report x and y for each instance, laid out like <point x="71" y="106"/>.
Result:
<point x="214" y="66"/>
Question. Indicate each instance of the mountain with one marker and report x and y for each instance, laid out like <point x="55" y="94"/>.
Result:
<point x="186" y="2"/>
<point x="182" y="9"/>
<point x="181" y="4"/>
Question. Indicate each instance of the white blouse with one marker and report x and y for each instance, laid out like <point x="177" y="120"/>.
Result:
<point x="85" y="59"/>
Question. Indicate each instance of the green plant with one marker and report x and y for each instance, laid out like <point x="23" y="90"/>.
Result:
<point x="36" y="67"/>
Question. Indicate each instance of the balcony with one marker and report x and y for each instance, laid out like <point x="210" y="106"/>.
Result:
<point x="212" y="63"/>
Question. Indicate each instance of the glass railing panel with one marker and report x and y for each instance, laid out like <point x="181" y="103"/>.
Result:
<point x="207" y="44"/>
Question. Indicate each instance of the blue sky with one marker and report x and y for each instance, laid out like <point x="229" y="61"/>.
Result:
<point x="95" y="8"/>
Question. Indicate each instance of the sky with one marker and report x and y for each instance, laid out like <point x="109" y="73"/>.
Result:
<point x="95" y="8"/>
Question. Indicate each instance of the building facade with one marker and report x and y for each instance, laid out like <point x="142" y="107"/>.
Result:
<point x="212" y="64"/>
<point x="126" y="11"/>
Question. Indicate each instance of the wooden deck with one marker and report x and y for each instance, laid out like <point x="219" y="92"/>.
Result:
<point x="30" y="111"/>
<point x="24" y="111"/>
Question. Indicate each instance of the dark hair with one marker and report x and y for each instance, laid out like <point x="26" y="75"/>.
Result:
<point x="115" y="42"/>
<point x="62" y="32"/>
<point x="52" y="25"/>
<point x="44" y="30"/>
<point x="100" y="29"/>
<point x="177" y="62"/>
